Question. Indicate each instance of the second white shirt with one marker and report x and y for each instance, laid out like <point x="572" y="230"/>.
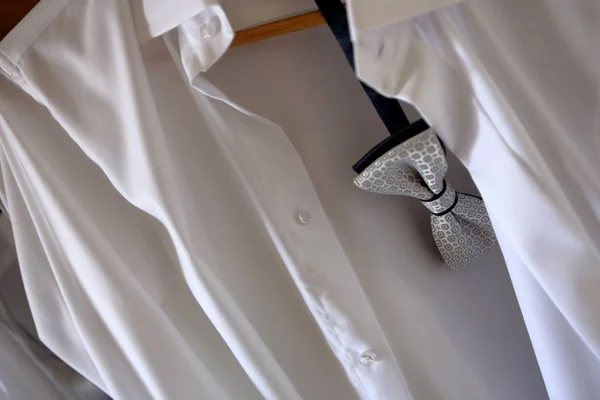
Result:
<point x="176" y="246"/>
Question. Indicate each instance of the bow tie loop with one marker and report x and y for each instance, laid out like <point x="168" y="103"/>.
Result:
<point x="443" y="202"/>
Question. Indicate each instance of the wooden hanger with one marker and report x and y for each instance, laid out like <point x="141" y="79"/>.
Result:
<point x="277" y="28"/>
<point x="11" y="12"/>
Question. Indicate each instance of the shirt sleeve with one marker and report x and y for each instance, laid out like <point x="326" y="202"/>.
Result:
<point x="389" y="52"/>
<point x="366" y="15"/>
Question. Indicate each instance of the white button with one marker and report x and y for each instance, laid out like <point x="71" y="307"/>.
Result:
<point x="210" y="28"/>
<point x="368" y="358"/>
<point x="303" y="217"/>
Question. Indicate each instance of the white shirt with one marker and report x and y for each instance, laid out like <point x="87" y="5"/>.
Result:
<point x="512" y="88"/>
<point x="175" y="245"/>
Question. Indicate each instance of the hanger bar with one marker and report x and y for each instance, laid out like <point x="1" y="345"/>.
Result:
<point x="277" y="28"/>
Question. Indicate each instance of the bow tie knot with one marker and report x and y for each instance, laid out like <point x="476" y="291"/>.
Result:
<point x="443" y="202"/>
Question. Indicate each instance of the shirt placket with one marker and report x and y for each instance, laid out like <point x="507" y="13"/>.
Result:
<point x="334" y="295"/>
<point x="288" y="204"/>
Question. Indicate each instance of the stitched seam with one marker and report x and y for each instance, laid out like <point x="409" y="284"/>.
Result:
<point x="16" y="64"/>
<point x="5" y="60"/>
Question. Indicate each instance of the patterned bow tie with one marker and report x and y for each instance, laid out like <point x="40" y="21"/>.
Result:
<point x="461" y="227"/>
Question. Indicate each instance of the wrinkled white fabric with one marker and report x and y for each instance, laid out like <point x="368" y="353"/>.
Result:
<point x="28" y="370"/>
<point x="22" y="374"/>
<point x="513" y="89"/>
<point x="148" y="284"/>
<point x="174" y="245"/>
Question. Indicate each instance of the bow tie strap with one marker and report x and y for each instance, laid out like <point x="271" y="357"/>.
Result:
<point x="443" y="202"/>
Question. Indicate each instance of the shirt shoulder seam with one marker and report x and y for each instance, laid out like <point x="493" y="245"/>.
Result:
<point x="35" y="39"/>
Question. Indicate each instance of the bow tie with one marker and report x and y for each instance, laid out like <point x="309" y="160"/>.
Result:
<point x="461" y="227"/>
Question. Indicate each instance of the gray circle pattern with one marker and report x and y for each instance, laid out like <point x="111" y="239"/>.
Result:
<point x="416" y="168"/>
<point x="465" y="233"/>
